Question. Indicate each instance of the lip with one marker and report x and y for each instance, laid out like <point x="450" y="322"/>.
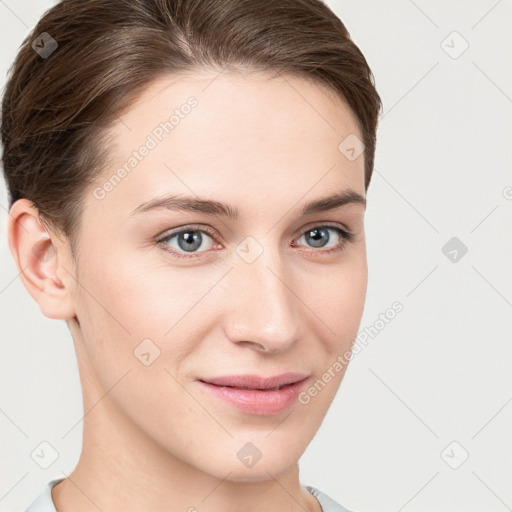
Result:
<point x="254" y="394"/>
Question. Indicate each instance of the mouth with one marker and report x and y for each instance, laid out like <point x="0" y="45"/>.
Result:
<point x="256" y="395"/>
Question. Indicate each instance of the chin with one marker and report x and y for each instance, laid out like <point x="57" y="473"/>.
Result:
<point x="259" y="474"/>
<point x="273" y="463"/>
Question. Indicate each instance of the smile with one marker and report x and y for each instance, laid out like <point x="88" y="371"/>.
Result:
<point x="256" y="395"/>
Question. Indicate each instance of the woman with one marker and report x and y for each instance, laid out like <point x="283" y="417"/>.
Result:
<point x="187" y="186"/>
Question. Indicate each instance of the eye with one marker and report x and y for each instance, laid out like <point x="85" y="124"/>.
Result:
<point x="188" y="240"/>
<point x="318" y="237"/>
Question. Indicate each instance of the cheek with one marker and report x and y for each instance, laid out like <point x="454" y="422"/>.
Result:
<point x="124" y="316"/>
<point x="336" y="298"/>
<point x="131" y="301"/>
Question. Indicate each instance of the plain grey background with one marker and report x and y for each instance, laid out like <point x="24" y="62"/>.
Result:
<point x="423" y="418"/>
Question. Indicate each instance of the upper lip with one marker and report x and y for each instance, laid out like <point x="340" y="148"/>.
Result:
<point x="256" y="381"/>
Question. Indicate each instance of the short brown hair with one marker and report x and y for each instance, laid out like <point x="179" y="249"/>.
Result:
<point x="55" y="109"/>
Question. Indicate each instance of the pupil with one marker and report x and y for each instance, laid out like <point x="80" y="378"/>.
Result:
<point x="319" y="237"/>
<point x="193" y="241"/>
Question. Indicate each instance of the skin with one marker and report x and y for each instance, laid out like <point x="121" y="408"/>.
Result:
<point x="153" y="439"/>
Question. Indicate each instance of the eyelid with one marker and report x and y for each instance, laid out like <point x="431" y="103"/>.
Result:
<point x="320" y="224"/>
<point x="187" y="227"/>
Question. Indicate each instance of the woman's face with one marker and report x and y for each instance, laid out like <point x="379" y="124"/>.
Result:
<point x="170" y="296"/>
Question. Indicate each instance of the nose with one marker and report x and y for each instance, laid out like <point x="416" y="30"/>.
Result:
<point x="264" y="310"/>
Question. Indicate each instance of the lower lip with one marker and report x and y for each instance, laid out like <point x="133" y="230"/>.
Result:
<point x="254" y="401"/>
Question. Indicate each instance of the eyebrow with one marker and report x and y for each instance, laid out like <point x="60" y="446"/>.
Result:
<point x="216" y="208"/>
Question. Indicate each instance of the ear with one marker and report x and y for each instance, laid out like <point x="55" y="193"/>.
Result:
<point x="42" y="260"/>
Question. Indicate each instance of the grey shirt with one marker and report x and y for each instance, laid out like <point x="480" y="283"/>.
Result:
<point x="44" y="502"/>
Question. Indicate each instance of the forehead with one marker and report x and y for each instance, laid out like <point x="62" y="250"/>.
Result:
<point x="260" y="102"/>
<point x="230" y="131"/>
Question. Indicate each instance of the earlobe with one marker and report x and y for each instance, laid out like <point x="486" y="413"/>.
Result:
<point x="38" y="259"/>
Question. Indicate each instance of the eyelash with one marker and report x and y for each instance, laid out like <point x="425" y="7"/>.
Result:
<point x="346" y="236"/>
